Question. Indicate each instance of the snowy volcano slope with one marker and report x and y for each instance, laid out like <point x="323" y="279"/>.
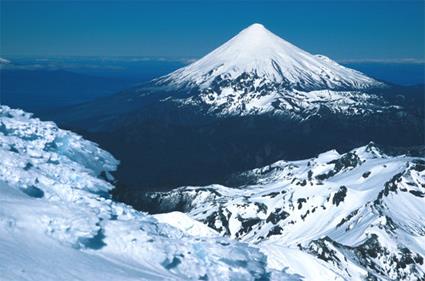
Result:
<point x="58" y="223"/>
<point x="257" y="72"/>
<point x="257" y="51"/>
<point x="354" y="216"/>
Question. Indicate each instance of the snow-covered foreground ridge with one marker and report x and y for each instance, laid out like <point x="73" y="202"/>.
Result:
<point x="355" y="216"/>
<point x="58" y="223"/>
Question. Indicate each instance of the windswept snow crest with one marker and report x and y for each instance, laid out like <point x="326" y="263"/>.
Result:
<point x="57" y="220"/>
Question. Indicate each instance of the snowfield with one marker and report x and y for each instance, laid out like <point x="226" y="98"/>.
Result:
<point x="57" y="221"/>
<point x="353" y="216"/>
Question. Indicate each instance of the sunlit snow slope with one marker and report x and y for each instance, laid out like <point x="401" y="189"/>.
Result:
<point x="256" y="50"/>
<point x="58" y="223"/>
<point x="355" y="216"/>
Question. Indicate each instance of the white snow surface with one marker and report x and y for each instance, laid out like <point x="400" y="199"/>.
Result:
<point x="295" y="104"/>
<point x="337" y="216"/>
<point x="57" y="221"/>
<point x="333" y="217"/>
<point x="256" y="50"/>
<point x="186" y="224"/>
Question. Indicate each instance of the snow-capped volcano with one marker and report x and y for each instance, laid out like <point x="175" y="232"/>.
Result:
<point x="258" y="72"/>
<point x="258" y="52"/>
<point x="268" y="98"/>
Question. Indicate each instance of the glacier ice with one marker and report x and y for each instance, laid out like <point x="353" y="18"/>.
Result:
<point x="58" y="222"/>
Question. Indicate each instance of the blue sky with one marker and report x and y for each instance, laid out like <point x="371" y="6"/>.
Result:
<point x="343" y="30"/>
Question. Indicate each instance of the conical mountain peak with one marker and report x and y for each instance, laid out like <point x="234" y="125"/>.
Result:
<point x="257" y="51"/>
<point x="257" y="26"/>
<point x="257" y="41"/>
<point x="255" y="29"/>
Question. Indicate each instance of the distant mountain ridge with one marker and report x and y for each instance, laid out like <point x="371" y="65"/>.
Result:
<point x="358" y="215"/>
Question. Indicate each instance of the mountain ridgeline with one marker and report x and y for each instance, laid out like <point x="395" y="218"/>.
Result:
<point x="358" y="214"/>
<point x="254" y="100"/>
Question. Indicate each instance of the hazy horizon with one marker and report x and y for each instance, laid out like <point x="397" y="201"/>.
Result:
<point x="344" y="31"/>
